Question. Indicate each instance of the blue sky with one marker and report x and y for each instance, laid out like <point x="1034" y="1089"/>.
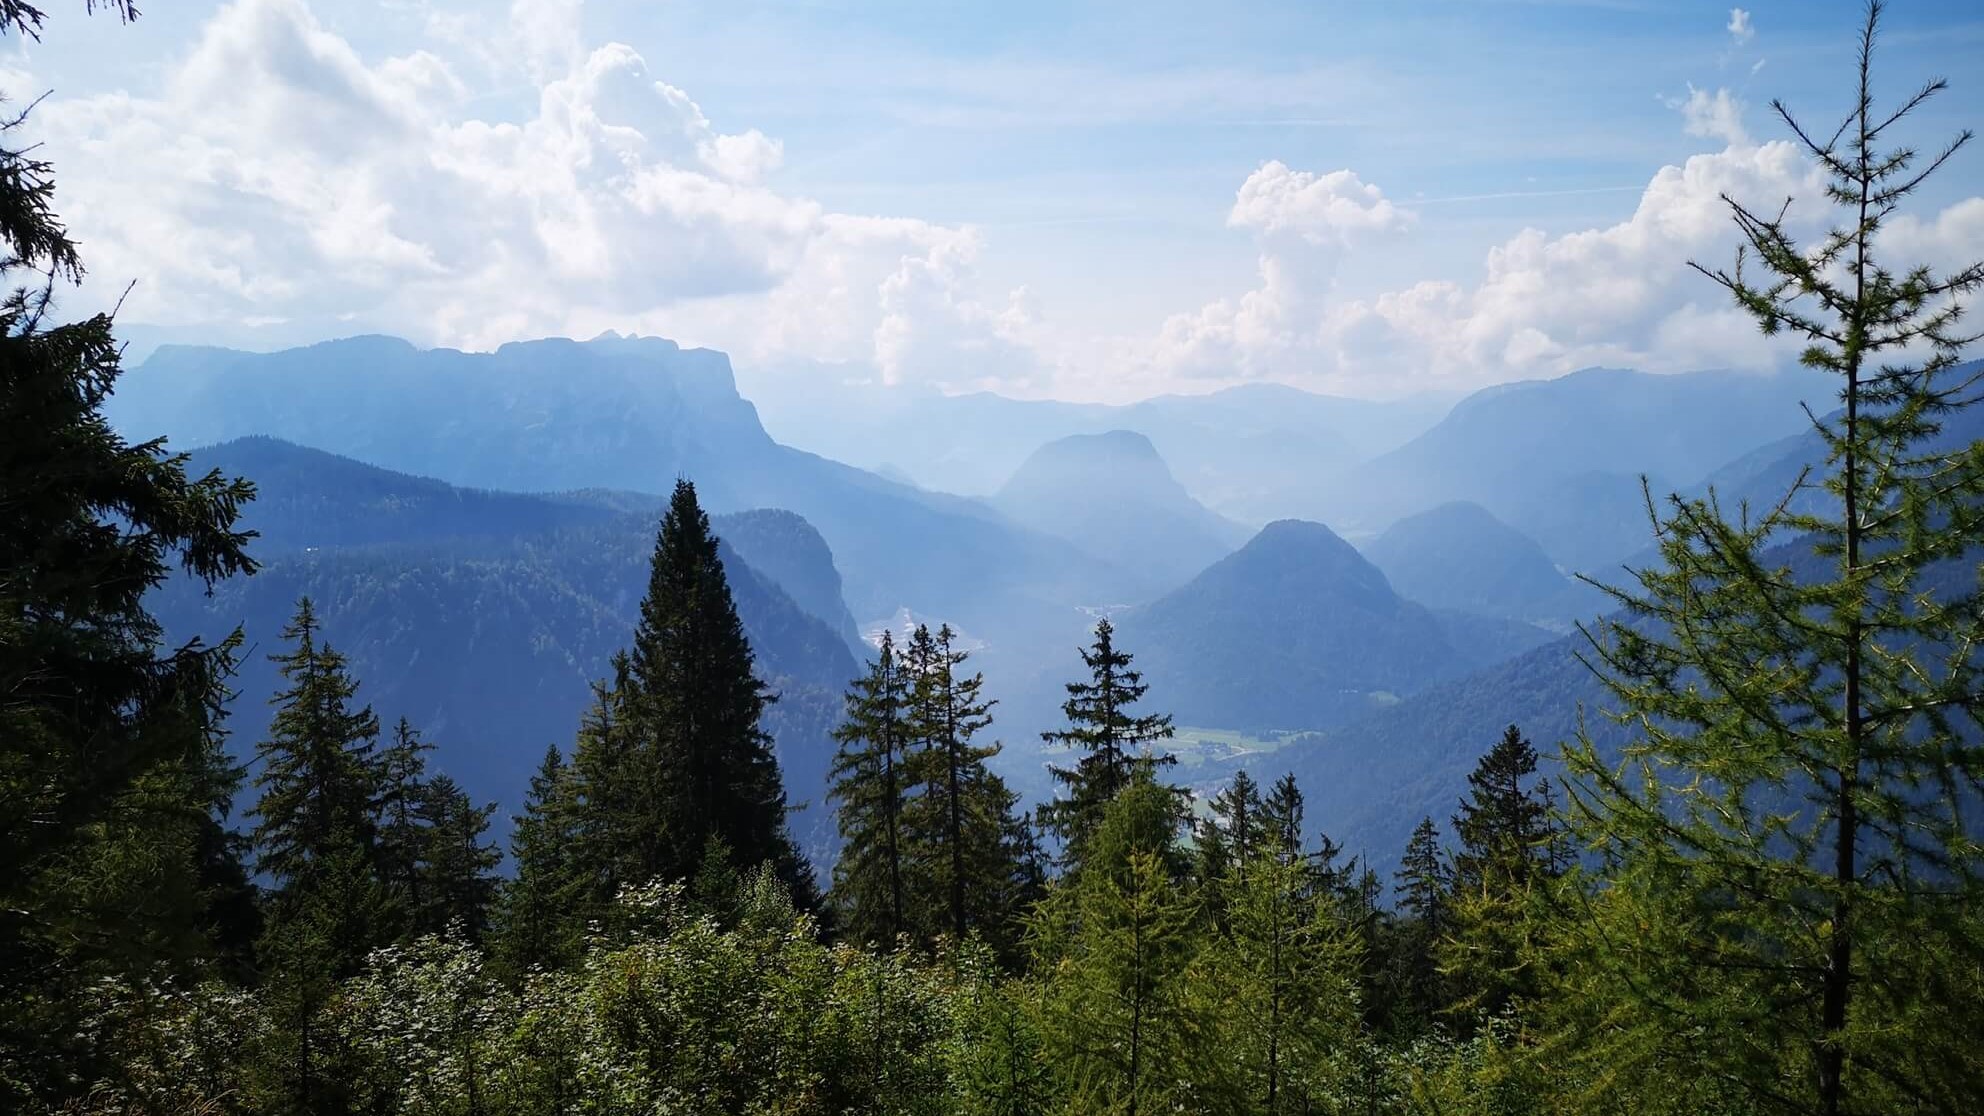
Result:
<point x="1093" y="200"/>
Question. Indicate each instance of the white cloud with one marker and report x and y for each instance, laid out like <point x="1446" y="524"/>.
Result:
<point x="1542" y="305"/>
<point x="1322" y="208"/>
<point x="1741" y="31"/>
<point x="278" y="176"/>
<point x="1303" y="223"/>
<point x="1717" y="115"/>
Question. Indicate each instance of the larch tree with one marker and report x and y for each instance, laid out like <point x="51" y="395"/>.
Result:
<point x="1119" y="1020"/>
<point x="1789" y="896"/>
<point x="1286" y="969"/>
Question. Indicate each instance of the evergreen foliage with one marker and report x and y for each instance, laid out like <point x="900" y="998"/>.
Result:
<point x="114" y="863"/>
<point x="1114" y="742"/>
<point x="871" y="788"/>
<point x="1786" y="894"/>
<point x="702" y="767"/>
<point x="538" y="924"/>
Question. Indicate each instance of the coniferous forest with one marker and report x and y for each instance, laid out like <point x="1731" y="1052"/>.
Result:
<point x="1768" y="899"/>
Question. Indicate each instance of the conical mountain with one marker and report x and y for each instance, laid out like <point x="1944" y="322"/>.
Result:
<point x="1113" y="496"/>
<point x="1459" y="556"/>
<point x="1296" y="630"/>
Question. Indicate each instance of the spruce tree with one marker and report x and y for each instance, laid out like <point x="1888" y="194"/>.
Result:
<point x="1281" y="816"/>
<point x="540" y="915"/>
<point x="1509" y="850"/>
<point x="458" y="882"/>
<point x="320" y="775"/>
<point x="1235" y="832"/>
<point x="1504" y="826"/>
<point x="1790" y="886"/>
<point x="1115" y="742"/>
<point x="403" y="837"/>
<point x="870" y="787"/>
<point x="699" y="767"/>
<point x="113" y="853"/>
<point x="610" y="801"/>
<point x="1423" y="890"/>
<point x="959" y="820"/>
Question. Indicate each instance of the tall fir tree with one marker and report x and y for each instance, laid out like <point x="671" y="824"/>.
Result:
<point x="114" y="857"/>
<point x="1114" y="742"/>
<point x="870" y="789"/>
<point x="610" y="801"/>
<point x="320" y="777"/>
<point x="1790" y="877"/>
<point x="317" y="840"/>
<point x="960" y="822"/>
<point x="403" y="837"/>
<point x="1510" y="849"/>
<point x="1504" y="828"/>
<point x="1234" y="832"/>
<point x="683" y="763"/>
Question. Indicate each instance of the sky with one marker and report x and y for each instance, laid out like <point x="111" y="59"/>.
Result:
<point x="1080" y="200"/>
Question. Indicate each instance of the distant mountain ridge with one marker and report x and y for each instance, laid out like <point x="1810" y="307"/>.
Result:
<point x="1294" y="631"/>
<point x="1251" y="452"/>
<point x="1459" y="556"/>
<point x="629" y="414"/>
<point x="1113" y="496"/>
<point x="1560" y="460"/>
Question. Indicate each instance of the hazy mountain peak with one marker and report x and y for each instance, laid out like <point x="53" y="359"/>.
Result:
<point x="1113" y="495"/>
<point x="1459" y="555"/>
<point x="1297" y="552"/>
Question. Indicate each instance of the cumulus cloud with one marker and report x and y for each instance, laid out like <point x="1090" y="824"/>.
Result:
<point x="1543" y="304"/>
<point x="1319" y="208"/>
<point x="1303" y="223"/>
<point x="277" y="175"/>
<point x="1741" y="31"/>
<point x="1717" y="115"/>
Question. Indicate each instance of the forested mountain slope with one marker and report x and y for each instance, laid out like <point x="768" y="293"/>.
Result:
<point x="1294" y="631"/>
<point x="488" y="639"/>
<point x="1459" y="556"/>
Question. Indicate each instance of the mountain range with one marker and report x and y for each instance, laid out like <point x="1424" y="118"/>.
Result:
<point x="475" y="527"/>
